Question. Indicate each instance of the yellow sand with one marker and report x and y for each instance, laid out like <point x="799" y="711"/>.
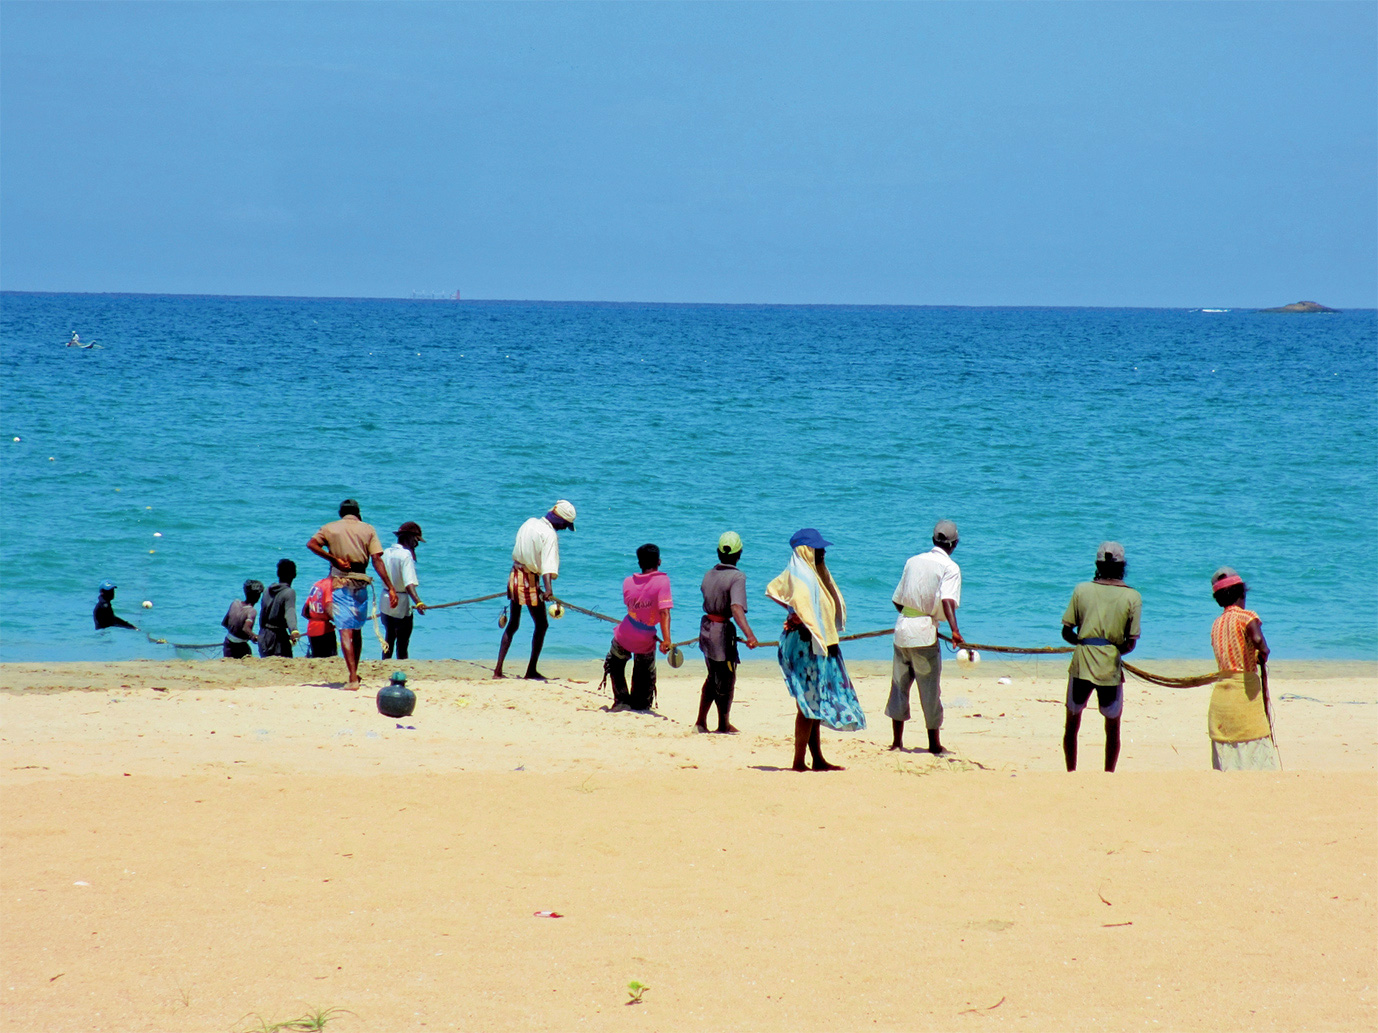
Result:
<point x="253" y="842"/>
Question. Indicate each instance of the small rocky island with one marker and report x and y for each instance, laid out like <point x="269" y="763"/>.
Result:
<point x="1301" y="306"/>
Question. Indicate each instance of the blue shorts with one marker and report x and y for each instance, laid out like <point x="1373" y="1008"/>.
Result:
<point x="350" y="608"/>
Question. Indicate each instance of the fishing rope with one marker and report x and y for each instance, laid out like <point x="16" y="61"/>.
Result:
<point x="1188" y="682"/>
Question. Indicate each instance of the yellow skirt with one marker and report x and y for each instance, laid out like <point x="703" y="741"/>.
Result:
<point x="1236" y="712"/>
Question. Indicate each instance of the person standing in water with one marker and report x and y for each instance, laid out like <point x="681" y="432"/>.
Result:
<point x="724" y="601"/>
<point x="810" y="653"/>
<point x="277" y="618"/>
<point x="348" y="545"/>
<point x="1102" y="621"/>
<point x="104" y="613"/>
<point x="238" y="623"/>
<point x="930" y="590"/>
<point x="320" y="629"/>
<point x="535" y="566"/>
<point x="1240" y="726"/>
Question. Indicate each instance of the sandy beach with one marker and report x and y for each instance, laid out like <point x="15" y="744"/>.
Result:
<point x="221" y="845"/>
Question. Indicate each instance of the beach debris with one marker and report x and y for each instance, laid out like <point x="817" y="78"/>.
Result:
<point x="79" y="883"/>
<point x="410" y="728"/>
<point x="972" y="1011"/>
<point x="1004" y="681"/>
<point x="635" y="990"/>
<point x="546" y="914"/>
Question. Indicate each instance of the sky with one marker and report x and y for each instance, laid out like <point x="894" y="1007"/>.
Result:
<point x="1116" y="154"/>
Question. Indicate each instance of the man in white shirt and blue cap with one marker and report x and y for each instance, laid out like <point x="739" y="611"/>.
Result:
<point x="930" y="590"/>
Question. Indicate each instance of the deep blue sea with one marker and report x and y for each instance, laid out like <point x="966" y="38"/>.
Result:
<point x="233" y="427"/>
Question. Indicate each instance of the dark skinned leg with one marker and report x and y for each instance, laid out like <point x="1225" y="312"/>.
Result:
<point x="514" y="619"/>
<point x="725" y="726"/>
<point x="1069" y="740"/>
<point x="705" y="702"/>
<point x="1112" y="742"/>
<point x="898" y="743"/>
<point x="538" y="615"/>
<point x="935" y="746"/>
<point x="350" y="640"/>
<point x="802" y="729"/>
<point x="816" y="748"/>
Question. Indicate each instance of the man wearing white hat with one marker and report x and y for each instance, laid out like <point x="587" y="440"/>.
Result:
<point x="535" y="566"/>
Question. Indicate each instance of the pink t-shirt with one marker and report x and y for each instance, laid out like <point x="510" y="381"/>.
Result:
<point x="646" y="595"/>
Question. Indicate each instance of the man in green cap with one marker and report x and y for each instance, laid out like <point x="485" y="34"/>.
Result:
<point x="724" y="601"/>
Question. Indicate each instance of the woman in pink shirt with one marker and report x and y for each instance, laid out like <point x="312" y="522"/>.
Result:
<point x="648" y="600"/>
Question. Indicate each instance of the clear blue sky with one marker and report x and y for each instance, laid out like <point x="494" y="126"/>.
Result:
<point x="1162" y="154"/>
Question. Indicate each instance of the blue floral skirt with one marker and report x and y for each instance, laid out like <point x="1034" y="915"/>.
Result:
<point x="819" y="684"/>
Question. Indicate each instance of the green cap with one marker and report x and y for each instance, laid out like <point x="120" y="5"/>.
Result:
<point x="730" y="542"/>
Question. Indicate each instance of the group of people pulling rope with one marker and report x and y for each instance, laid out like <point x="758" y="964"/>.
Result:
<point x="1100" y="626"/>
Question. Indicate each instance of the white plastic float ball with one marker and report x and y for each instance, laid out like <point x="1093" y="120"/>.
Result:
<point x="968" y="656"/>
<point x="147" y="605"/>
<point x="157" y="534"/>
<point x="16" y="439"/>
<point x="555" y="610"/>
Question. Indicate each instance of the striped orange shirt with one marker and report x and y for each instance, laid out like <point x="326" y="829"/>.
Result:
<point x="1233" y="650"/>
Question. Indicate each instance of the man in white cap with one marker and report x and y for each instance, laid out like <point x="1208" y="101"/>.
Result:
<point x="535" y="566"/>
<point x="930" y="590"/>
<point x="1102" y="621"/>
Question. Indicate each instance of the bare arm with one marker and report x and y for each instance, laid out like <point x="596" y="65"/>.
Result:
<point x="1254" y="632"/>
<point x="665" y="631"/>
<point x="950" y="612"/>
<point x="549" y="580"/>
<point x="1069" y="634"/>
<point x="317" y="545"/>
<point x="739" y="615"/>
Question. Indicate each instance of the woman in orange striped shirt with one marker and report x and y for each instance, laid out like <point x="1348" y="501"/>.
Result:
<point x="1238" y="721"/>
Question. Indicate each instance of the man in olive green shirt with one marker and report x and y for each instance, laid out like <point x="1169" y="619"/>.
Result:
<point x="1102" y="621"/>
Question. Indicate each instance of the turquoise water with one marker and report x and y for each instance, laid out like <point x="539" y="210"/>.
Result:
<point x="234" y="426"/>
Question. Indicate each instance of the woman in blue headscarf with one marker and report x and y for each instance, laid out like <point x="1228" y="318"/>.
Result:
<point x="810" y="655"/>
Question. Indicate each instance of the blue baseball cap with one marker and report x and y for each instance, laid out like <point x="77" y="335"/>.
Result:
<point x="808" y="536"/>
<point x="108" y="586"/>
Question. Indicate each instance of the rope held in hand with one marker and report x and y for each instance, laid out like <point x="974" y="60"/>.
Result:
<point x="1191" y="681"/>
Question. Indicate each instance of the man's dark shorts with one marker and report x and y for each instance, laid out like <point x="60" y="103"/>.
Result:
<point x="1109" y="698"/>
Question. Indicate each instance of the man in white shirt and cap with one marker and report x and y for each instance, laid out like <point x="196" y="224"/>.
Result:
<point x="930" y="590"/>
<point x="535" y="566"/>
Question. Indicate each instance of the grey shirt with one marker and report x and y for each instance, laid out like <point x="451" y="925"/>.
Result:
<point x="723" y="587"/>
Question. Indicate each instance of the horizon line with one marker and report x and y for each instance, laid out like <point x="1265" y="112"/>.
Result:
<point x="686" y="304"/>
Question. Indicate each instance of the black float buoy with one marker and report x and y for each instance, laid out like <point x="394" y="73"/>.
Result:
<point x="395" y="699"/>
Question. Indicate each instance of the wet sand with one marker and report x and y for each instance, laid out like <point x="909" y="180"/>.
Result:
<point x="193" y="846"/>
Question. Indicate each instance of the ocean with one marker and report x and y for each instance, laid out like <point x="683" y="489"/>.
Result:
<point x="210" y="436"/>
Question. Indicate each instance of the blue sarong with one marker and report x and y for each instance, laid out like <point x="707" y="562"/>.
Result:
<point x="819" y="684"/>
<point x="350" y="607"/>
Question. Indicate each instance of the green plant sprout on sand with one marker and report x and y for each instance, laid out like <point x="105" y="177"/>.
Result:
<point x="636" y="989"/>
<point x="312" y="1022"/>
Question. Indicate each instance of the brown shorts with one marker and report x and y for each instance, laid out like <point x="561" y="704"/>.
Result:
<point x="523" y="587"/>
